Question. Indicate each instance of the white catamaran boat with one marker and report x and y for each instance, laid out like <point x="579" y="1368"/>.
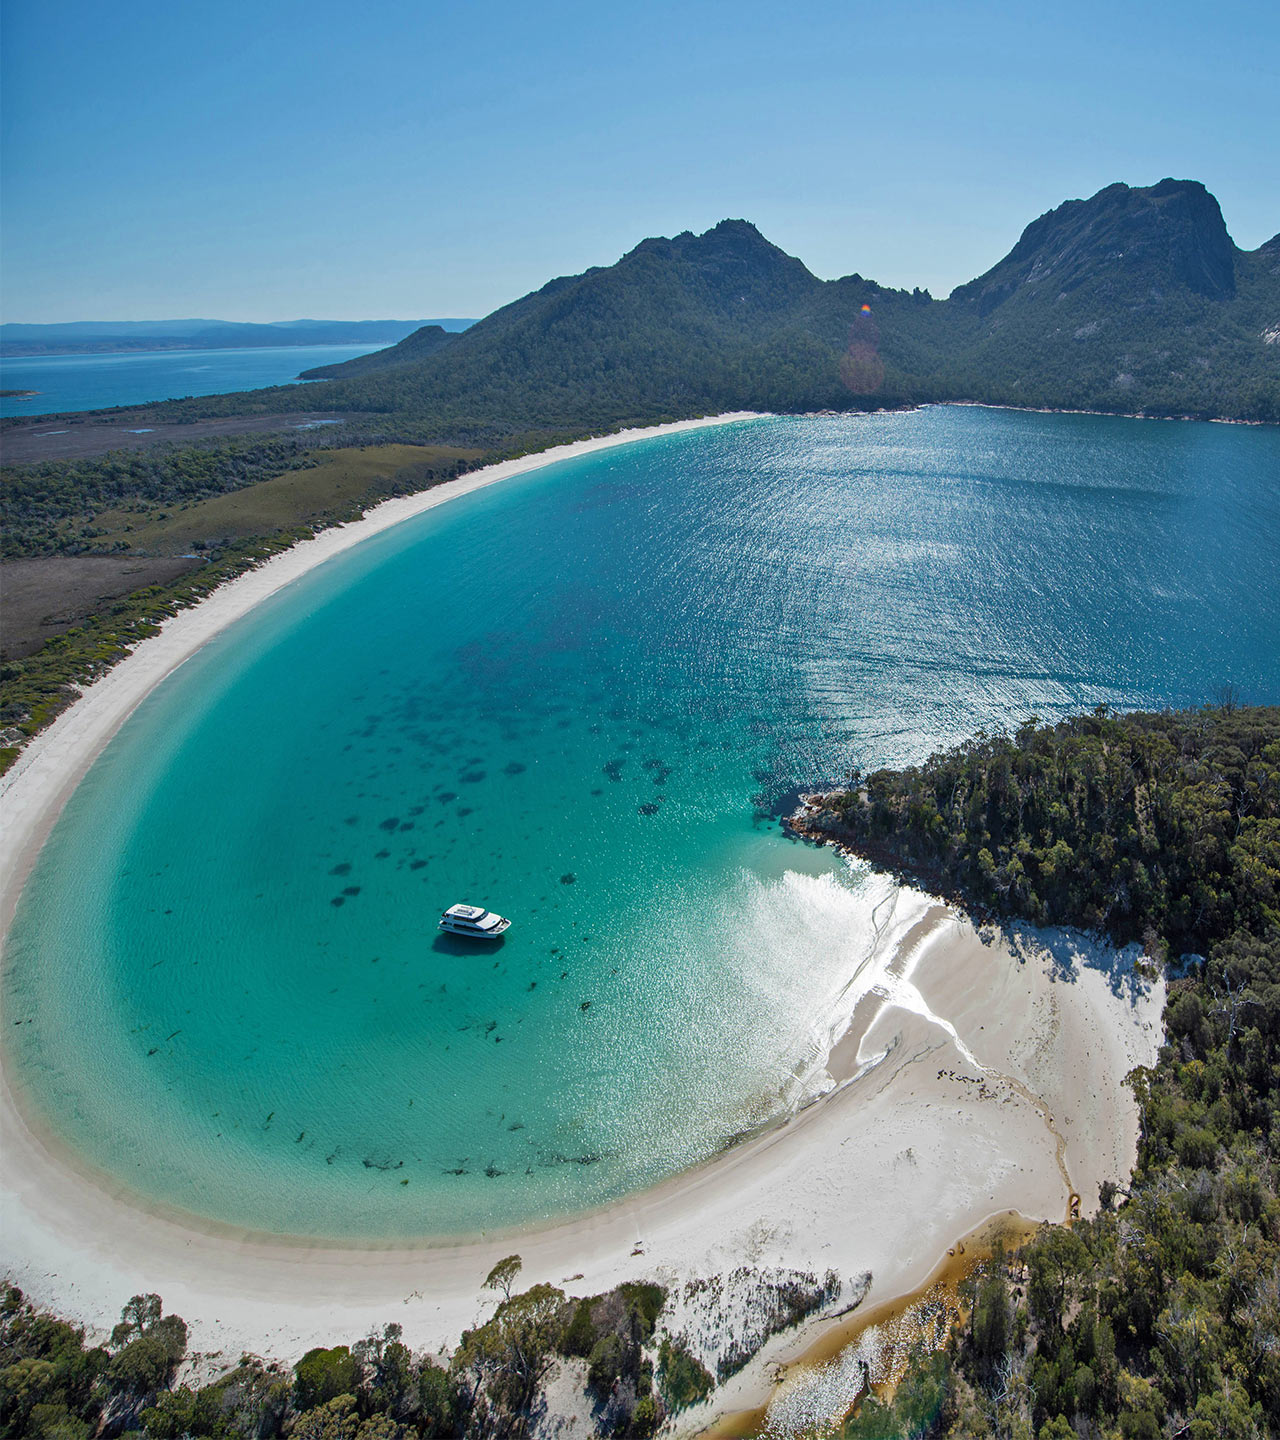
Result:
<point x="473" y="921"/>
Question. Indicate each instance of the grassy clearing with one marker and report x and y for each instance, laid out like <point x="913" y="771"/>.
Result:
<point x="340" y="485"/>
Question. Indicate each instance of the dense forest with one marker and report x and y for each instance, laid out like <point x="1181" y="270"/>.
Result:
<point x="48" y="509"/>
<point x="1159" y="1317"/>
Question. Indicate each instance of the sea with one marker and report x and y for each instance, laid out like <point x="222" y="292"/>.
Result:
<point x="584" y="697"/>
<point x="136" y="377"/>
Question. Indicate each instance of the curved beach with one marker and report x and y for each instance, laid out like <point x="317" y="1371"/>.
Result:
<point x="979" y="1075"/>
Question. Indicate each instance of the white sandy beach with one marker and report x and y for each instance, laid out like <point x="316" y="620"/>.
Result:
<point x="979" y="1075"/>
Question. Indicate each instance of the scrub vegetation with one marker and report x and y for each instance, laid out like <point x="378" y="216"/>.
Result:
<point x="56" y="1385"/>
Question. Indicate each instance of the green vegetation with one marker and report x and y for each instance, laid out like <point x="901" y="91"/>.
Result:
<point x="338" y="484"/>
<point x="35" y="689"/>
<point x="918" y="1407"/>
<point x="1160" y="1316"/>
<point x="417" y="345"/>
<point x="49" y="509"/>
<point x="164" y="500"/>
<point x="1162" y="828"/>
<point x="55" y="1387"/>
<point x="682" y="1377"/>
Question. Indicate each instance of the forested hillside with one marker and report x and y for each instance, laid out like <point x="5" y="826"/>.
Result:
<point x="1134" y="300"/>
<point x="416" y="346"/>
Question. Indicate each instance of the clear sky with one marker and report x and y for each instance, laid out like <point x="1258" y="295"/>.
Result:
<point x="266" y="159"/>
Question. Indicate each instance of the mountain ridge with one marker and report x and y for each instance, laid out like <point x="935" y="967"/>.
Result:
<point x="1135" y="300"/>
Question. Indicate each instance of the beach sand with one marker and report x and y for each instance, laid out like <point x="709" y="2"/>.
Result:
<point x="979" y="1075"/>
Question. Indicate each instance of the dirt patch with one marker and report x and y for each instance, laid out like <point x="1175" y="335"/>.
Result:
<point x="68" y="437"/>
<point x="44" y="596"/>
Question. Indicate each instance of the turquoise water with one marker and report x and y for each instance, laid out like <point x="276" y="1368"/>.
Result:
<point x="579" y="697"/>
<point x="94" y="382"/>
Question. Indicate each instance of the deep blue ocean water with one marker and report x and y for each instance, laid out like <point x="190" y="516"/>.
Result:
<point x="94" y="382"/>
<point x="578" y="697"/>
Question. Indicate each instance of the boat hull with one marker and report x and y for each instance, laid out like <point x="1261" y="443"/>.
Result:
<point x="470" y="932"/>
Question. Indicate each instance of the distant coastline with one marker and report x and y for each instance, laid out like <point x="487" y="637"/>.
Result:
<point x="19" y="341"/>
<point x="1114" y="414"/>
<point x="37" y="387"/>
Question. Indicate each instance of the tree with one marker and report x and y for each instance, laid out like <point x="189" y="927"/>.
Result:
<point x="137" y="1317"/>
<point x="991" y="1317"/>
<point x="323" y="1375"/>
<point x="1052" y="1264"/>
<point x="143" y="1366"/>
<point x="336" y="1419"/>
<point x="387" y="1364"/>
<point x="508" y="1356"/>
<point x="439" y="1401"/>
<point x="503" y="1275"/>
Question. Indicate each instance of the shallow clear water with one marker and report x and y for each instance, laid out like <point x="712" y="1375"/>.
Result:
<point x="135" y="377"/>
<point x="576" y="697"/>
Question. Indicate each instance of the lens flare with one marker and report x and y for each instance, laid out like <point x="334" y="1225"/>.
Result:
<point x="866" y="309"/>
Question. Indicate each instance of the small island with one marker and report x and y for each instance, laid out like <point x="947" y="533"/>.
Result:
<point x="18" y="394"/>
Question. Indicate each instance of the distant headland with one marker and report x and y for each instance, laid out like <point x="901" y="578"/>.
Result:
<point x="104" y="337"/>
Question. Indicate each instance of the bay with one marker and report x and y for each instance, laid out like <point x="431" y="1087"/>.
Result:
<point x="67" y="383"/>
<point x="582" y="697"/>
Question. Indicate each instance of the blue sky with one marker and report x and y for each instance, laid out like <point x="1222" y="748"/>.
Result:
<point x="272" y="160"/>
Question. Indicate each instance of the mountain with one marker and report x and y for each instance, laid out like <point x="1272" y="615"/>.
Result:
<point x="1135" y="300"/>
<point x="1134" y="245"/>
<point x="104" y="336"/>
<point x="415" y="346"/>
<point x="676" y="326"/>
